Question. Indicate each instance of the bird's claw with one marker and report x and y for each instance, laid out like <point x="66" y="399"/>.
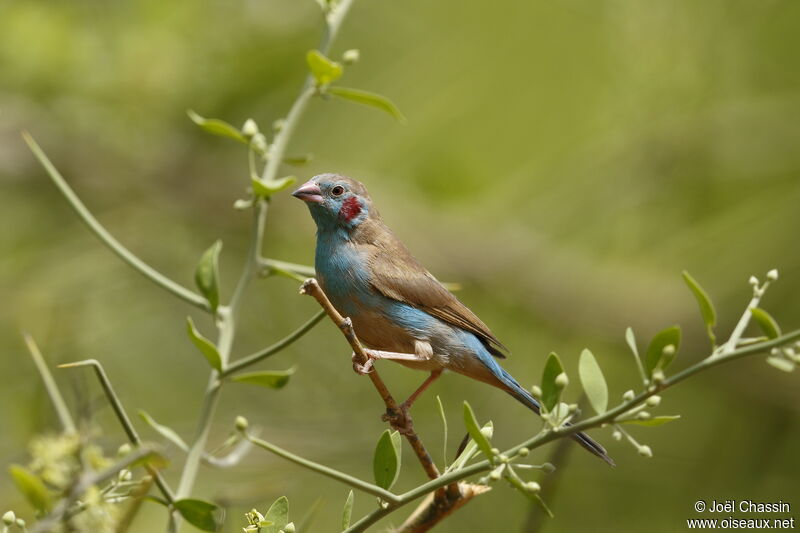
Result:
<point x="359" y="368"/>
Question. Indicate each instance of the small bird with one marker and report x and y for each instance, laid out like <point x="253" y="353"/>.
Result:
<point x="398" y="309"/>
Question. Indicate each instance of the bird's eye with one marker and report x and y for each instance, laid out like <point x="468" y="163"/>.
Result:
<point x="337" y="191"/>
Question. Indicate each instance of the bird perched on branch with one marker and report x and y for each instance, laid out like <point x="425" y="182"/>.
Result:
<point x="398" y="309"/>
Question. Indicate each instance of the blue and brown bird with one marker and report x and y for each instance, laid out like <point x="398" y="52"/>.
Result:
<point x="398" y="309"/>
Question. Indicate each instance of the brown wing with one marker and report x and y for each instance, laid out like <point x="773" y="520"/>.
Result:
<point x="396" y="274"/>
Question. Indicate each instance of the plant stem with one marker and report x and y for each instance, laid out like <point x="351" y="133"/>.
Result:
<point x="260" y="355"/>
<point x="64" y="416"/>
<point x="347" y="479"/>
<point x="106" y="238"/>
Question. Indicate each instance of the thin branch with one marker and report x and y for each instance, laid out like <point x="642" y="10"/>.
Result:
<point x="262" y="354"/>
<point x="106" y="238"/>
<point x="59" y="404"/>
<point x="347" y="479"/>
<point x="124" y="420"/>
<point x="275" y="264"/>
<point x="312" y="288"/>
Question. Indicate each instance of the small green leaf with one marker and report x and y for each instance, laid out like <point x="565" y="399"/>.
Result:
<point x="268" y="188"/>
<point x="199" y="513"/>
<point x="630" y="338"/>
<point x="324" y="70"/>
<point x="656" y="358"/>
<point x="218" y="127"/>
<point x="348" y="511"/>
<point x="594" y="384"/>
<point x="273" y="379"/>
<point x="475" y="432"/>
<point x="278" y="515"/>
<point x="32" y="487"/>
<point x="386" y="462"/>
<point x="551" y="392"/>
<point x="444" y="425"/>
<point x="654" y="421"/>
<point x="765" y="321"/>
<point x="471" y="449"/>
<point x="298" y="160"/>
<point x="204" y="345"/>
<point x="206" y="276"/>
<point x="706" y="307"/>
<point x="165" y="431"/>
<point x="367" y="98"/>
<point x="781" y="363"/>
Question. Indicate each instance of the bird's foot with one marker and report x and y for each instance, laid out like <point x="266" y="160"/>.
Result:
<point x="400" y="419"/>
<point x="359" y="368"/>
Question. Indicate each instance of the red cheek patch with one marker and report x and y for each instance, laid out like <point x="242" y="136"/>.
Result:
<point x="351" y="208"/>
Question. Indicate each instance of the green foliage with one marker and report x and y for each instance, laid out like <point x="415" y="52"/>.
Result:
<point x="271" y="379"/>
<point x="707" y="310"/>
<point x="206" y="275"/>
<point x="767" y="324"/>
<point x="324" y="70"/>
<point x="277" y="515"/>
<point x="653" y="421"/>
<point x="218" y="127"/>
<point x="386" y="461"/>
<point x="551" y="392"/>
<point x="32" y="487"/>
<point x="266" y="189"/>
<point x="367" y="98"/>
<point x="347" y="512"/>
<point x="205" y="346"/>
<point x="594" y="384"/>
<point x="475" y="432"/>
<point x="201" y="514"/>
<point x="659" y="354"/>
<point x="165" y="431"/>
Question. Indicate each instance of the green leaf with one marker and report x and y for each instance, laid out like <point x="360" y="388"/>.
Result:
<point x="654" y="421"/>
<point x="206" y="276"/>
<point x="706" y="307"/>
<point x="781" y="363"/>
<point x="268" y="188"/>
<point x="765" y="321"/>
<point x="386" y="462"/>
<point x="32" y="487"/>
<point x="348" y="511"/>
<point x="298" y="160"/>
<point x="630" y="338"/>
<point x="471" y="449"/>
<point x="324" y="70"/>
<point x="278" y="514"/>
<point x="165" y="431"/>
<point x="367" y="98"/>
<point x="218" y="127"/>
<point x="199" y="513"/>
<point x="594" y="384"/>
<point x="204" y="345"/>
<point x="656" y="358"/>
<point x="273" y="379"/>
<point x="444" y="425"/>
<point x="550" y="392"/>
<point x="475" y="432"/>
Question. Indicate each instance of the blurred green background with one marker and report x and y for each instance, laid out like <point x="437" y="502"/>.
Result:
<point x="563" y="159"/>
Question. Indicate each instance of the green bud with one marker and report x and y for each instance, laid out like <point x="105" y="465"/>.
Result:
<point x="278" y="125"/>
<point x="548" y="468"/>
<point x="250" y="128"/>
<point x="653" y="401"/>
<point x="669" y="349"/>
<point x="289" y="528"/>
<point x="241" y="423"/>
<point x="503" y="458"/>
<point x="562" y="380"/>
<point x="532" y="487"/>
<point x="523" y="452"/>
<point x="645" y="451"/>
<point x="658" y="377"/>
<point x="350" y="56"/>
<point x="9" y="518"/>
<point x="243" y="203"/>
<point x="628" y="396"/>
<point x="125" y="475"/>
<point x="644" y="415"/>
<point x="483" y="481"/>
<point x="124" y="450"/>
<point x="617" y="435"/>
<point x="573" y="408"/>
<point x="495" y="451"/>
<point x="772" y="275"/>
<point x="20" y="523"/>
<point x="753" y="281"/>
<point x="536" y="392"/>
<point x="495" y="475"/>
<point x="260" y="143"/>
<point x="487" y="432"/>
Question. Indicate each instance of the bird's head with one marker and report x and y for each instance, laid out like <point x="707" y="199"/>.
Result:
<point x="336" y="202"/>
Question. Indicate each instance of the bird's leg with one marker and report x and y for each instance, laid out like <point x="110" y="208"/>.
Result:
<point x="422" y="352"/>
<point x="400" y="419"/>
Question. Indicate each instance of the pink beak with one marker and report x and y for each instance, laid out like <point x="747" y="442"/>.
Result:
<point x="309" y="192"/>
